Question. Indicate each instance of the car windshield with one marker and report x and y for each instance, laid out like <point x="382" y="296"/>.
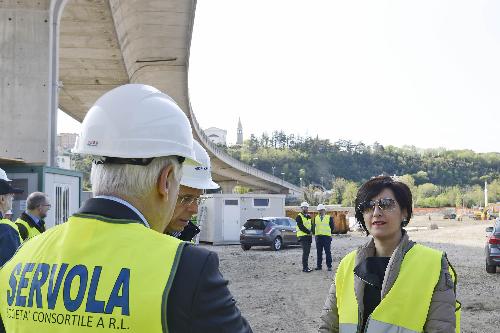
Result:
<point x="258" y="224"/>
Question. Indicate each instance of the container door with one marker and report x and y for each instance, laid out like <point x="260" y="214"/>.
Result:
<point x="64" y="194"/>
<point x="231" y="220"/>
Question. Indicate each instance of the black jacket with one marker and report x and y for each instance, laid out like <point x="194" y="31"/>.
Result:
<point x="9" y="242"/>
<point x="26" y="218"/>
<point x="301" y="225"/>
<point x="199" y="300"/>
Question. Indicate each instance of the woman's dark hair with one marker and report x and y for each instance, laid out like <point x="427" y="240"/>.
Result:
<point x="376" y="185"/>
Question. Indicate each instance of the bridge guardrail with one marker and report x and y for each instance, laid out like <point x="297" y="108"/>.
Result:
<point x="220" y="154"/>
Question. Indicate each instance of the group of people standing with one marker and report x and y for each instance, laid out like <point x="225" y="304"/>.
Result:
<point x="115" y="264"/>
<point x="322" y="228"/>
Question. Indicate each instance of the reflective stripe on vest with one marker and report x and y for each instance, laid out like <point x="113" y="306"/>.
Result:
<point x="404" y="309"/>
<point x="322" y="226"/>
<point x="13" y="225"/>
<point x="306" y="222"/>
<point x="32" y="231"/>
<point x="91" y="274"/>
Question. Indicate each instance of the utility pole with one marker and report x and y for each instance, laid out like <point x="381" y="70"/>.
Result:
<point x="485" y="194"/>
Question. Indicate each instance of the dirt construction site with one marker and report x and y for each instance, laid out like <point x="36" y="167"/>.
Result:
<point x="274" y="294"/>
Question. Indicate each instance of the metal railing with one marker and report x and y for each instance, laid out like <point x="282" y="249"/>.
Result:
<point x="223" y="156"/>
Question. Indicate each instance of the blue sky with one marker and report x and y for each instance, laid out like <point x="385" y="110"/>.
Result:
<point x="423" y="73"/>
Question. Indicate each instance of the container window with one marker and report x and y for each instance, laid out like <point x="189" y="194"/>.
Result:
<point x="260" y="202"/>
<point x="231" y="202"/>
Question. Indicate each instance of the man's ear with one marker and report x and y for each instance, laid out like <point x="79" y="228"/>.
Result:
<point x="165" y="179"/>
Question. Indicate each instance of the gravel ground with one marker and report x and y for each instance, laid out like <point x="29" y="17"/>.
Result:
<point x="275" y="296"/>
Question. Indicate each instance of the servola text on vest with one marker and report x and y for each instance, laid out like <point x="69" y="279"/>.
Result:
<point x="36" y="289"/>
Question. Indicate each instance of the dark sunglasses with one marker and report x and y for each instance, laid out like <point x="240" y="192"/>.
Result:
<point x="386" y="204"/>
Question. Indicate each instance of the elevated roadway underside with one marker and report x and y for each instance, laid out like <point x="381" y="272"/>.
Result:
<point x="106" y="43"/>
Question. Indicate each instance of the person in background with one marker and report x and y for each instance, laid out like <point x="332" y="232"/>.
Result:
<point x="9" y="234"/>
<point x="31" y="223"/>
<point x="304" y="235"/>
<point x="8" y="215"/>
<point x="390" y="284"/>
<point x="194" y="180"/>
<point x="323" y="227"/>
<point x="3" y="175"/>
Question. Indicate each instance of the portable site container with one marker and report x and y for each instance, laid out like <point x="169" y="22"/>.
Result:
<point x="221" y="216"/>
<point x="62" y="186"/>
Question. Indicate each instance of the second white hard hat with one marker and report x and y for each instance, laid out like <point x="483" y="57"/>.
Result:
<point x="198" y="176"/>
<point x="320" y="207"/>
<point x="3" y="175"/>
<point x="136" y="121"/>
<point x="304" y="204"/>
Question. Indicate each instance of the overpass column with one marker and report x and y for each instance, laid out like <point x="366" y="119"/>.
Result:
<point x="26" y="126"/>
<point x="227" y="186"/>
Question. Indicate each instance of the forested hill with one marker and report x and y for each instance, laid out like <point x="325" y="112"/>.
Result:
<point x="321" y="161"/>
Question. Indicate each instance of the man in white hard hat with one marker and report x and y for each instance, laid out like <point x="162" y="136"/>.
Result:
<point x="323" y="227"/>
<point x="110" y="267"/>
<point x="9" y="235"/>
<point x="304" y="234"/>
<point x="194" y="180"/>
<point x="8" y="215"/>
<point x="3" y="175"/>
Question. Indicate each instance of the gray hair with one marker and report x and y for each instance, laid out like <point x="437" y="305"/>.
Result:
<point x="130" y="180"/>
<point x="36" y="199"/>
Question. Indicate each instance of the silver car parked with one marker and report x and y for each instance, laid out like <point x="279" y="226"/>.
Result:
<point x="275" y="232"/>
<point x="492" y="247"/>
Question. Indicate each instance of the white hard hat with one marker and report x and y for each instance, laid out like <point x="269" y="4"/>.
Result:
<point x="8" y="212"/>
<point x="321" y="207"/>
<point x="198" y="176"/>
<point x="3" y="175"/>
<point x="136" y="121"/>
<point x="304" y="204"/>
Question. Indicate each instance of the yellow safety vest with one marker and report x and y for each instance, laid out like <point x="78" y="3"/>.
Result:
<point x="405" y="307"/>
<point x="32" y="231"/>
<point x="91" y="274"/>
<point x="307" y="223"/>
<point x="322" y="226"/>
<point x="13" y="225"/>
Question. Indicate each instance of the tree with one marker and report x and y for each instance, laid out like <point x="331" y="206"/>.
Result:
<point x="83" y="163"/>
<point x="349" y="195"/>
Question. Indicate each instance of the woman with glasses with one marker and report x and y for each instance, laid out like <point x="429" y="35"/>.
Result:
<point x="390" y="284"/>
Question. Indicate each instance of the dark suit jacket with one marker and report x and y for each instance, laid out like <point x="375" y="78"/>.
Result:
<point x="9" y="242"/>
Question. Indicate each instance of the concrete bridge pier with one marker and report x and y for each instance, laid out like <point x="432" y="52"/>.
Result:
<point x="28" y="99"/>
<point x="227" y="186"/>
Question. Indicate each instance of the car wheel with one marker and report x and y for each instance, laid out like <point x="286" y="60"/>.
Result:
<point x="245" y="247"/>
<point x="277" y="244"/>
<point x="491" y="268"/>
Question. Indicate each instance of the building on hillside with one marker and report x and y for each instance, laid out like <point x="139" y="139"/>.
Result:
<point x="216" y="135"/>
<point x="239" y="133"/>
<point x="65" y="142"/>
<point x="64" y="162"/>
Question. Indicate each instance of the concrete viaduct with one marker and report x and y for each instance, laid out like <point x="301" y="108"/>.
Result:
<point x="66" y="53"/>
